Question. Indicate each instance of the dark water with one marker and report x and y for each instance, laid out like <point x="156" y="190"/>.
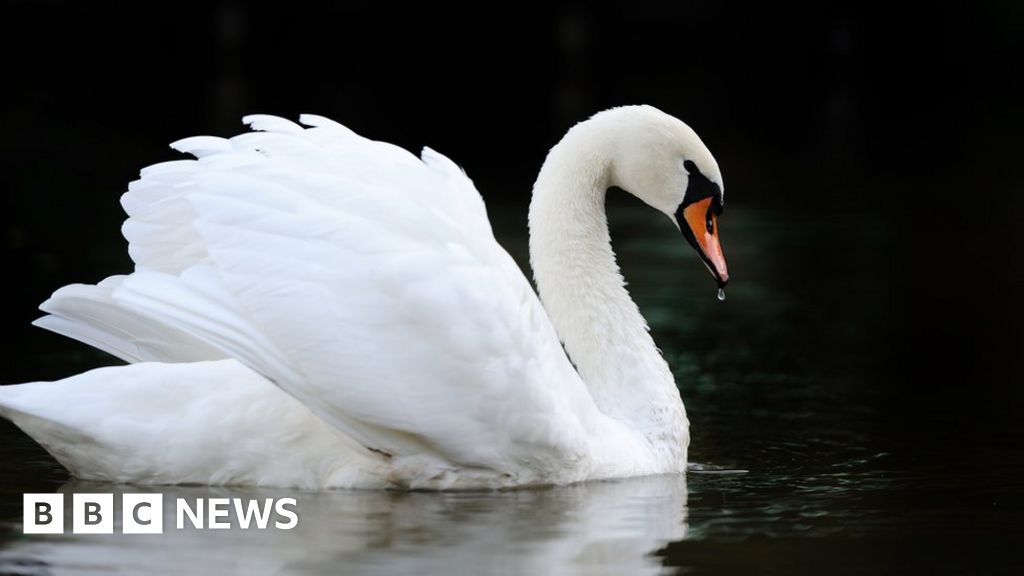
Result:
<point x="816" y="450"/>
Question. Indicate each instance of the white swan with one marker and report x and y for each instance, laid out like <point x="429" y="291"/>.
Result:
<point x="310" y="308"/>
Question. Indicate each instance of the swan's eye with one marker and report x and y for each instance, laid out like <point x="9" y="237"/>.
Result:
<point x="714" y="209"/>
<point x="698" y="188"/>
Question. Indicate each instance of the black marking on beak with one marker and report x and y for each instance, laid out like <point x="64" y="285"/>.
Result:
<point x="698" y="188"/>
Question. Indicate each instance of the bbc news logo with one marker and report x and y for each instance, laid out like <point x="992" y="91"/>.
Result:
<point x="144" y="513"/>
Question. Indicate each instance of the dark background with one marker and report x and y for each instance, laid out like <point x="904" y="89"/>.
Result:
<point x="902" y="124"/>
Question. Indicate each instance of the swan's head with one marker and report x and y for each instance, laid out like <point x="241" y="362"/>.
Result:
<point x="663" y="162"/>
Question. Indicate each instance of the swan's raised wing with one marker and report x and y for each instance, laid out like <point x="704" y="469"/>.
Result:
<point x="361" y="279"/>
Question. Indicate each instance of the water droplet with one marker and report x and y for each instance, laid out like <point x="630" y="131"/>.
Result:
<point x="721" y="293"/>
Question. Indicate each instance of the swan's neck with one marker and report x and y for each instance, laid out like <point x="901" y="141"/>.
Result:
<point x="582" y="288"/>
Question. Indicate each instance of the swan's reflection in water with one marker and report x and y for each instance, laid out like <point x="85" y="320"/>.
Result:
<point x="594" y="528"/>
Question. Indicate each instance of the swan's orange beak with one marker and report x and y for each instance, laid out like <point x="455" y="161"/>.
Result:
<point x="700" y="226"/>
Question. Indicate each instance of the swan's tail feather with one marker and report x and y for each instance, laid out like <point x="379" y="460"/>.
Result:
<point x="31" y="407"/>
<point x="158" y="423"/>
<point x="34" y="408"/>
<point x="11" y="397"/>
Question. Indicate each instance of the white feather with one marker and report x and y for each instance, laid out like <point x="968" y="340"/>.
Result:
<point x="200" y="146"/>
<point x="143" y="423"/>
<point x="270" y="123"/>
